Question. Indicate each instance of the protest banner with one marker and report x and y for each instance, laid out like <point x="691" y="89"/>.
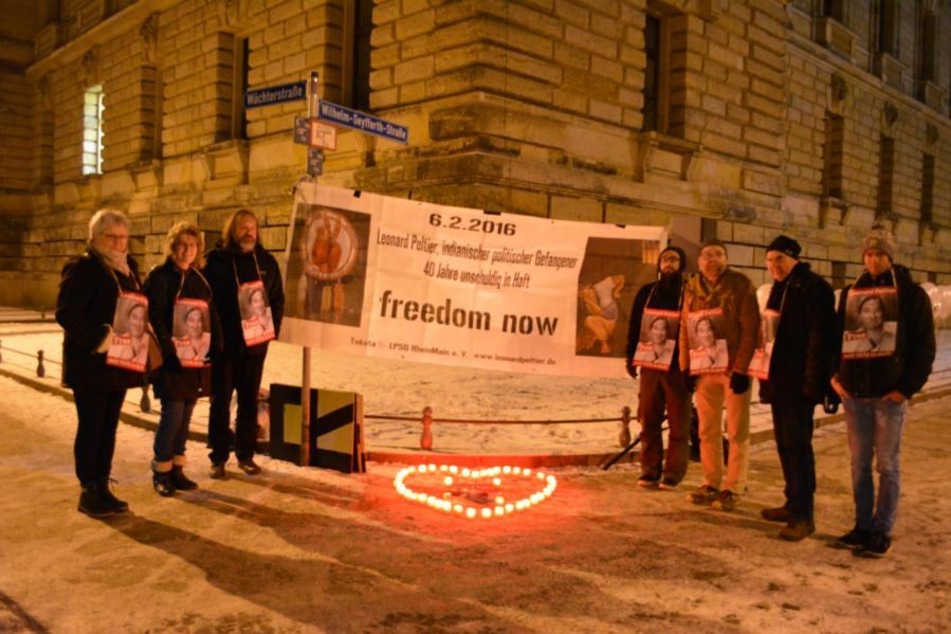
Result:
<point x="388" y="277"/>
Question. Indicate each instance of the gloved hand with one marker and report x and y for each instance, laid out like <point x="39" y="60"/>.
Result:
<point x="171" y="364"/>
<point x="631" y="369"/>
<point x="739" y="383"/>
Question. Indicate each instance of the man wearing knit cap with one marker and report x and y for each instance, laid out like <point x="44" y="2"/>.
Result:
<point x="719" y="311"/>
<point x="652" y="346"/>
<point x="799" y="320"/>
<point x="875" y="383"/>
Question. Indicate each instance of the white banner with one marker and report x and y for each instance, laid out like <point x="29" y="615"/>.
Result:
<point x="388" y="277"/>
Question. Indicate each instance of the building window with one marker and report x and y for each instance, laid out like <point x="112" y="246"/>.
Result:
<point x="885" y="27"/>
<point x="834" y="9"/>
<point x="239" y="121"/>
<point x="927" y="45"/>
<point x="665" y="74"/>
<point x="92" y="131"/>
<point x="231" y="79"/>
<point x="360" y="73"/>
<point x="886" y="173"/>
<point x="927" y="188"/>
<point x="833" y="152"/>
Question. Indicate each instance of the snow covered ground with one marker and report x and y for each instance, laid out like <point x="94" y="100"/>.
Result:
<point x="399" y="388"/>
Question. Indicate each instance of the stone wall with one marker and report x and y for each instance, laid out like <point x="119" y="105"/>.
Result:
<point x="527" y="106"/>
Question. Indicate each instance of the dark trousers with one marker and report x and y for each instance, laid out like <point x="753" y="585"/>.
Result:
<point x="171" y="436"/>
<point x="792" y="428"/>
<point x="95" y="441"/>
<point x="230" y="373"/>
<point x="659" y="392"/>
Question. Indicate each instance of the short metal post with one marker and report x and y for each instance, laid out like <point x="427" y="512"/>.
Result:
<point x="40" y="369"/>
<point x="146" y="403"/>
<point x="624" y="439"/>
<point x="426" y="440"/>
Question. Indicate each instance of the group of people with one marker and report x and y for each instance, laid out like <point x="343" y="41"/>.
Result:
<point x="871" y="353"/>
<point x="197" y="326"/>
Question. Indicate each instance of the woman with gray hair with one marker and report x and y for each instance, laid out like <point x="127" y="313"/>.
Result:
<point x="89" y="294"/>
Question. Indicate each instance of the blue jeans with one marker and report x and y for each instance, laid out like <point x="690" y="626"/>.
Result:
<point x="874" y="426"/>
<point x="172" y="432"/>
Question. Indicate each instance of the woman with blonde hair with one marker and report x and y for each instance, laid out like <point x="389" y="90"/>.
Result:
<point x="176" y="290"/>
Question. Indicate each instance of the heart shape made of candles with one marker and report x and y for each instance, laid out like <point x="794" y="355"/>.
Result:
<point x="484" y="487"/>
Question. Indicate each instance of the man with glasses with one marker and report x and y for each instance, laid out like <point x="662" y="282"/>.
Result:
<point x="727" y="297"/>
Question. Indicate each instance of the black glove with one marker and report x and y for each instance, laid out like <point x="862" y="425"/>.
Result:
<point x="171" y="364"/>
<point x="739" y="383"/>
<point x="631" y="369"/>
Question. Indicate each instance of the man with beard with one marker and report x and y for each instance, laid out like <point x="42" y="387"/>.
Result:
<point x="727" y="295"/>
<point x="662" y="384"/>
<point x="798" y="376"/>
<point x="239" y="260"/>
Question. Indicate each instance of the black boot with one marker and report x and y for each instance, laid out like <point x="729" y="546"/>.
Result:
<point x="92" y="503"/>
<point x="119" y="506"/>
<point x="162" y="483"/>
<point x="180" y="481"/>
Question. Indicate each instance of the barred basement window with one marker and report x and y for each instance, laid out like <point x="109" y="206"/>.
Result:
<point x="927" y="188"/>
<point x="886" y="174"/>
<point x="92" y="131"/>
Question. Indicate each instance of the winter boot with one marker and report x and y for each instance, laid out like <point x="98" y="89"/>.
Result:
<point x="119" y="506"/>
<point x="92" y="503"/>
<point x="180" y="481"/>
<point x="162" y="483"/>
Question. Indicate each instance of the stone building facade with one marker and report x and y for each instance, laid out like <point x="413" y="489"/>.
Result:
<point x="722" y="118"/>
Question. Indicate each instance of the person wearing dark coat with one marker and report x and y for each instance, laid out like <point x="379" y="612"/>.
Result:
<point x="86" y="309"/>
<point x="238" y="260"/>
<point x="178" y="290"/>
<point x="662" y="385"/>
<point x="875" y="387"/>
<point x="799" y="372"/>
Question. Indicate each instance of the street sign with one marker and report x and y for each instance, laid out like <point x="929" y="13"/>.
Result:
<point x="315" y="161"/>
<point x="275" y="95"/>
<point x="349" y="118"/>
<point x="309" y="131"/>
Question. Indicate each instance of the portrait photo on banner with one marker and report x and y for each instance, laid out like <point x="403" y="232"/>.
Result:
<point x="871" y="323"/>
<point x="657" y="339"/>
<point x="191" y="332"/>
<point x="129" y="348"/>
<point x="708" y="347"/>
<point x="257" y="322"/>
<point x="611" y="273"/>
<point x="327" y="267"/>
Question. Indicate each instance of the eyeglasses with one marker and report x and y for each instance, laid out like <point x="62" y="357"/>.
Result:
<point x="115" y="237"/>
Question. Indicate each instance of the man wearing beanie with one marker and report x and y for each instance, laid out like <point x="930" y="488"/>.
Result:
<point x="723" y="301"/>
<point x="875" y="383"/>
<point x="800" y="321"/>
<point x="652" y="345"/>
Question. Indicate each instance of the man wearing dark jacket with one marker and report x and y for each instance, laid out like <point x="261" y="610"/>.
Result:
<point x="657" y="307"/>
<point x="239" y="260"/>
<point x="801" y="308"/>
<point x="875" y="385"/>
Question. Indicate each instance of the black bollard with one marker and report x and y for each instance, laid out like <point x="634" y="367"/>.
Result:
<point x="40" y="369"/>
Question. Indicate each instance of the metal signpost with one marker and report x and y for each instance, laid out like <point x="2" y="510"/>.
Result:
<point x="318" y="132"/>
